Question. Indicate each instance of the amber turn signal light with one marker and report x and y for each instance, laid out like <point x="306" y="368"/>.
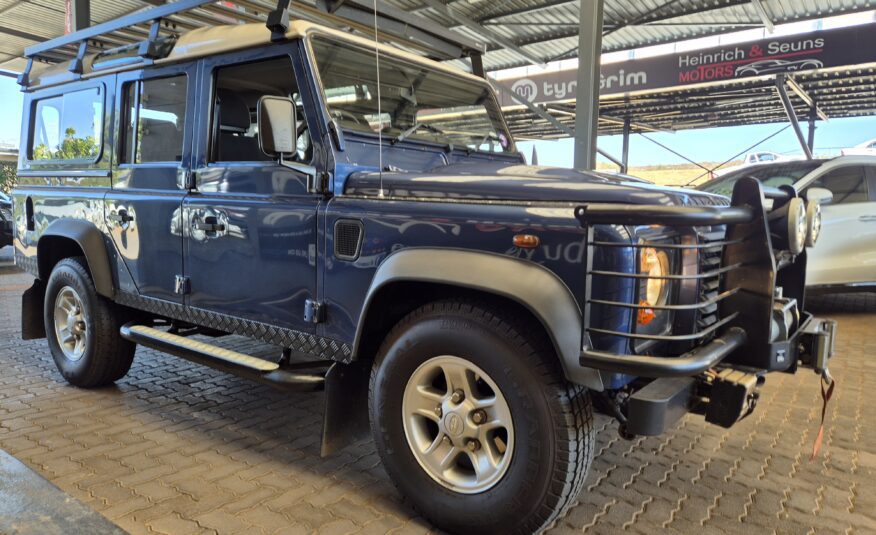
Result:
<point x="646" y="315"/>
<point x="526" y="241"/>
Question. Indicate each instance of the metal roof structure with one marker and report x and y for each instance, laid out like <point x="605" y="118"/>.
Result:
<point x="506" y="34"/>
<point x="514" y="32"/>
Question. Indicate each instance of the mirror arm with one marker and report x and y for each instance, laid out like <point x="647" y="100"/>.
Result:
<point x="317" y="182"/>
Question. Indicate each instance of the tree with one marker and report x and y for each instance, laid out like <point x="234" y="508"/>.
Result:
<point x="71" y="148"/>
<point x="7" y="176"/>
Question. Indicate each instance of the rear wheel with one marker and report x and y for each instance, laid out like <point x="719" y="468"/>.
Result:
<point x="82" y="328"/>
<point x="475" y="422"/>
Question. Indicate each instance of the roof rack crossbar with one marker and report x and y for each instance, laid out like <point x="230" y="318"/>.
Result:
<point x="94" y="32"/>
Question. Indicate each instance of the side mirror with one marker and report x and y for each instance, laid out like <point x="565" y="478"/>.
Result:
<point x="819" y="195"/>
<point x="277" y="126"/>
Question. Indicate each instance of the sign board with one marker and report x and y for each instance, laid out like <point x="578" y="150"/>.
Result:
<point x="814" y="50"/>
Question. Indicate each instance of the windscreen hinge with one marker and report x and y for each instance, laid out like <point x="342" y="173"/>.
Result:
<point x="319" y="182"/>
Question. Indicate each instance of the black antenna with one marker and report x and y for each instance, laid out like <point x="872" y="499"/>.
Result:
<point x="379" y="110"/>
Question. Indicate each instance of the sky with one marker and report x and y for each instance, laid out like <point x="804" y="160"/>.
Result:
<point x="702" y="145"/>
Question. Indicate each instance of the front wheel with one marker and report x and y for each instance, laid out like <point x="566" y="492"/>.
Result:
<point x="474" y="421"/>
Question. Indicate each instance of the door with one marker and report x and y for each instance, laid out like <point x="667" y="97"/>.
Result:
<point x="251" y="223"/>
<point x="846" y="249"/>
<point x="153" y="156"/>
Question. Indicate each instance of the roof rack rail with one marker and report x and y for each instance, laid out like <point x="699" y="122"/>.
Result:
<point x="149" y="30"/>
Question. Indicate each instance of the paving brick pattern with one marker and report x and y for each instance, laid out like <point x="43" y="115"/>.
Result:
<point x="175" y="448"/>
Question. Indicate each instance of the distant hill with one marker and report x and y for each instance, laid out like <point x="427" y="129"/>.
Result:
<point x="669" y="175"/>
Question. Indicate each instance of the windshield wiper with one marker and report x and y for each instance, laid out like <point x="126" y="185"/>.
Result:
<point x="404" y="135"/>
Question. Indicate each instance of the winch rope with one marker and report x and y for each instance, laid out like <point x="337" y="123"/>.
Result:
<point x="826" y="394"/>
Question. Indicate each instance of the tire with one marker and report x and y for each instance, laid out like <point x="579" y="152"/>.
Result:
<point x="96" y="355"/>
<point x="552" y="434"/>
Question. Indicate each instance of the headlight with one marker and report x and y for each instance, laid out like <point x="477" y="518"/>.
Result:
<point x="797" y="225"/>
<point x="653" y="290"/>
<point x="813" y="222"/>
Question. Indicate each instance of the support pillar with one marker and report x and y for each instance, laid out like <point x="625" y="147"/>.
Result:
<point x="587" y="93"/>
<point x="78" y="14"/>
<point x="813" y="115"/>
<point x="625" y="148"/>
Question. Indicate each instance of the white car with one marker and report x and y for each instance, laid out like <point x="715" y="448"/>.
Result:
<point x="865" y="148"/>
<point x="754" y="158"/>
<point x="770" y="66"/>
<point x="844" y="258"/>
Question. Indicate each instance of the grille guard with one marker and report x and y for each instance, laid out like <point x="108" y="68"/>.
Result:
<point x="749" y="272"/>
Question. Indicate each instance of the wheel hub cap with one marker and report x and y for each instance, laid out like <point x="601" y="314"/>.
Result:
<point x="70" y="328"/>
<point x="458" y="424"/>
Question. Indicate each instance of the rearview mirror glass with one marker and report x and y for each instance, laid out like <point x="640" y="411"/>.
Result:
<point x="277" y="124"/>
<point x="819" y="195"/>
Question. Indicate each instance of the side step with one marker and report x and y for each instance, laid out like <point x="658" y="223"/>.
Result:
<point x="226" y="360"/>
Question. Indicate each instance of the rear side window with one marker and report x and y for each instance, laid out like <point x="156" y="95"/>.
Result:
<point x="155" y="112"/>
<point x="68" y="127"/>
<point x="848" y="184"/>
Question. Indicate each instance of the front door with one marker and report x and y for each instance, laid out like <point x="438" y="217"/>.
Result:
<point x="251" y="223"/>
<point x="846" y="249"/>
<point x="153" y="155"/>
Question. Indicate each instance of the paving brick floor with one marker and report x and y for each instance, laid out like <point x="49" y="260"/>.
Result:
<point x="175" y="448"/>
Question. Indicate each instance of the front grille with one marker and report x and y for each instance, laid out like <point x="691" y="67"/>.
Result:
<point x="709" y="260"/>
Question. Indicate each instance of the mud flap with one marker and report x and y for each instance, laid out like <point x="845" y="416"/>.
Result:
<point x="32" y="325"/>
<point x="345" y="419"/>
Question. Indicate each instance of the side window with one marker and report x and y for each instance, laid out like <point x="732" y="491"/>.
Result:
<point x="236" y="94"/>
<point x="848" y="184"/>
<point x="68" y="127"/>
<point x="155" y="112"/>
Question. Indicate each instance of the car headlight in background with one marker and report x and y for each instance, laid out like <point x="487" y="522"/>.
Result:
<point x="813" y="222"/>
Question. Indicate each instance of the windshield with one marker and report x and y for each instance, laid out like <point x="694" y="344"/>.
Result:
<point x="417" y="102"/>
<point x="774" y="175"/>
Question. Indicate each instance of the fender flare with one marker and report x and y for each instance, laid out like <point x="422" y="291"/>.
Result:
<point x="531" y="285"/>
<point x="90" y="240"/>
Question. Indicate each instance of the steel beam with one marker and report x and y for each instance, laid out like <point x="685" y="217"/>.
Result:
<point x="487" y="33"/>
<point x="792" y="114"/>
<point x="813" y="115"/>
<point x="625" y="148"/>
<point x="760" y="9"/>
<point x="587" y="91"/>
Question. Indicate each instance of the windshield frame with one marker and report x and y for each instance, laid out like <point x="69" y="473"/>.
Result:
<point x="400" y="56"/>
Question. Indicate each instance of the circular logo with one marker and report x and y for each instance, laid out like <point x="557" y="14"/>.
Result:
<point x="454" y="424"/>
<point x="526" y="88"/>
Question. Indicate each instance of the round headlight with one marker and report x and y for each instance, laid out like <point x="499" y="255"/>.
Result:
<point x="797" y="225"/>
<point x="813" y="222"/>
<point x="654" y="263"/>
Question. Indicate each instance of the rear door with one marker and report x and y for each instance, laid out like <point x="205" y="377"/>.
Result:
<point x="250" y="251"/>
<point x="143" y="209"/>
<point x="846" y="249"/>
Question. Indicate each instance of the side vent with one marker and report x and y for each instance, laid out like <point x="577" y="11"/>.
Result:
<point x="348" y="239"/>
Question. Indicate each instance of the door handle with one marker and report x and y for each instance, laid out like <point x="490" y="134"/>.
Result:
<point x="867" y="218"/>
<point x="209" y="224"/>
<point x="121" y="217"/>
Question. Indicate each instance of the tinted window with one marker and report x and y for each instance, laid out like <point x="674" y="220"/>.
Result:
<point x="848" y="184"/>
<point x="68" y="127"/>
<point x="770" y="175"/>
<point x="238" y="89"/>
<point x="155" y="119"/>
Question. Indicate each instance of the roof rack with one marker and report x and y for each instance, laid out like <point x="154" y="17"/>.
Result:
<point x="149" y="30"/>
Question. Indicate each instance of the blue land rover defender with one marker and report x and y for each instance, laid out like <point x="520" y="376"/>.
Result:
<point x="391" y="242"/>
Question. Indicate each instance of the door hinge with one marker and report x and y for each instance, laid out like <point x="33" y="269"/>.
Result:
<point x="319" y="183"/>
<point x="183" y="285"/>
<point x="314" y="311"/>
